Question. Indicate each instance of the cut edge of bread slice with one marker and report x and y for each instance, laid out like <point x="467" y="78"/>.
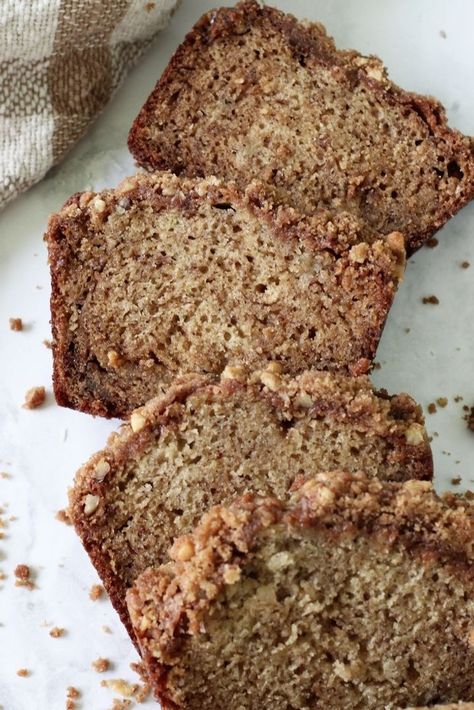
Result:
<point x="189" y="249"/>
<point x="120" y="495"/>
<point x="235" y="584"/>
<point x="310" y="47"/>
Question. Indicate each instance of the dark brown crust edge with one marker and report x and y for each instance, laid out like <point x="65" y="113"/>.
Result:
<point x="164" y="190"/>
<point x="405" y="516"/>
<point x="225" y="21"/>
<point x="127" y="444"/>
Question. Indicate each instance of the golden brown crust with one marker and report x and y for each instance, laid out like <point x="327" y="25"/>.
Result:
<point x="310" y="47"/>
<point x="170" y="603"/>
<point x="83" y="382"/>
<point x="396" y="420"/>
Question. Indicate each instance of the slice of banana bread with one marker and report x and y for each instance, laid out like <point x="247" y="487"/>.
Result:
<point x="205" y="443"/>
<point x="253" y="92"/>
<point x="166" y="276"/>
<point x="356" y="595"/>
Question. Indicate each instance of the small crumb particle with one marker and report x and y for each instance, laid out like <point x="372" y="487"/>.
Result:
<point x="5" y="475"/>
<point x="34" y="398"/>
<point x="63" y="516"/>
<point x="435" y="433"/>
<point x="96" y="592"/>
<point x="458" y="398"/>
<point x="48" y="344"/>
<point x="106" y="629"/>
<point x="469" y="417"/>
<point x="101" y="665"/>
<point x="72" y="695"/>
<point x="432" y="408"/>
<point x="465" y="264"/>
<point x="149" y="6"/>
<point x="376" y="366"/>
<point x="432" y="243"/>
<point x="456" y="480"/>
<point x="121" y="704"/>
<point x="16" y="324"/>
<point x="407" y="330"/>
<point x="442" y="34"/>
<point x="23" y="577"/>
<point x="23" y="672"/>
<point x="432" y="300"/>
<point x="442" y="401"/>
<point x="56" y="632"/>
<point x="121" y="686"/>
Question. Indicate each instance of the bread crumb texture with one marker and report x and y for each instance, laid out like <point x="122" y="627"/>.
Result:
<point x="16" y="324"/>
<point x="34" y="398"/>
<point x="252" y="92"/>
<point x="178" y="276"/>
<point x="356" y="593"/>
<point x="208" y="442"/>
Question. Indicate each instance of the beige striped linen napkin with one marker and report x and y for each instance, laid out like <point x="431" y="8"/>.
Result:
<point x="60" y="61"/>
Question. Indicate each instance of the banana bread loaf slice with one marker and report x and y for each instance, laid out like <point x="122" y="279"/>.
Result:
<point x="253" y="92"/>
<point x="166" y="276"/>
<point x="356" y="595"/>
<point x="206" y="443"/>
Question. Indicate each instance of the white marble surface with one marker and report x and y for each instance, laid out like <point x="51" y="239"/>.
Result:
<point x="42" y="449"/>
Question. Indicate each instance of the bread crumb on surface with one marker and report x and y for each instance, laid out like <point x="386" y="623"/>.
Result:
<point x="458" y="398"/>
<point x="34" y="398"/>
<point x="16" y="324"/>
<point x="121" y="686"/>
<point x="432" y="243"/>
<point x="72" y="694"/>
<point x="469" y="417"/>
<point x="5" y="474"/>
<point x="23" y="577"/>
<point x="47" y="343"/>
<point x="465" y="264"/>
<point x="432" y="408"/>
<point x="96" y="592"/>
<point x="120" y="704"/>
<point x="23" y="672"/>
<point x="442" y="401"/>
<point x="56" y="632"/>
<point x="456" y="480"/>
<point x="432" y="300"/>
<point x="442" y="34"/>
<point x="106" y="629"/>
<point x="63" y="516"/>
<point x="101" y="665"/>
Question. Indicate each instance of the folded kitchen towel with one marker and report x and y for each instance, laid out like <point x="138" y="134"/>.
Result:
<point x="60" y="61"/>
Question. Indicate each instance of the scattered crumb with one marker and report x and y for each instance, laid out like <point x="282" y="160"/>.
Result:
<point x="106" y="629"/>
<point x="63" y="516"/>
<point x="16" y="324"/>
<point x="431" y="300"/>
<point x="456" y="480"/>
<point x="469" y="417"/>
<point x="48" y="344"/>
<point x="34" y="398"/>
<point x="23" y="577"/>
<point x="150" y="6"/>
<point x="23" y="672"/>
<point x="56" y="632"/>
<point x="4" y="474"/>
<point x="71" y="696"/>
<point x="432" y="243"/>
<point x="442" y="34"/>
<point x="465" y="264"/>
<point x="96" y="592"/>
<point x="376" y="366"/>
<point x="458" y="398"/>
<point x="446" y="453"/>
<point x="442" y="401"/>
<point x="120" y="704"/>
<point x="121" y="686"/>
<point x="101" y="665"/>
<point x="432" y="408"/>
<point x="465" y="408"/>
<point x="407" y="330"/>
